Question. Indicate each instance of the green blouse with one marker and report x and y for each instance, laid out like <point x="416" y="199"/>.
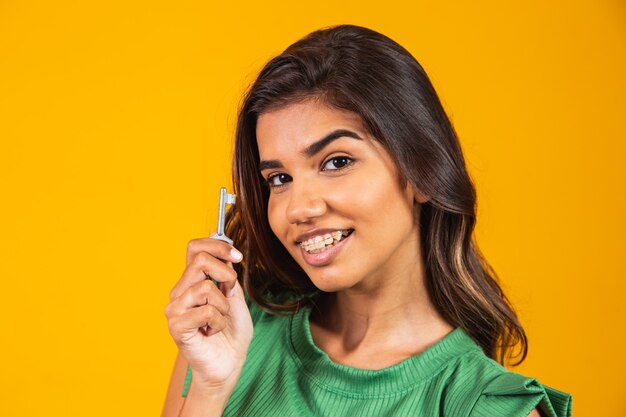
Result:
<point x="285" y="374"/>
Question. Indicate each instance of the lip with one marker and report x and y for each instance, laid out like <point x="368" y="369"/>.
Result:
<point x="326" y="257"/>
<point x="315" y="232"/>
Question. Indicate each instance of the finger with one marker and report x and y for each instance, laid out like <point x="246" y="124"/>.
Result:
<point x="185" y="326"/>
<point x="217" y="248"/>
<point x="237" y="291"/>
<point x="201" y="293"/>
<point x="203" y="266"/>
<point x="226" y="287"/>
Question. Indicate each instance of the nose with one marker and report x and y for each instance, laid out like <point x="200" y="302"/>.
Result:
<point x="305" y="203"/>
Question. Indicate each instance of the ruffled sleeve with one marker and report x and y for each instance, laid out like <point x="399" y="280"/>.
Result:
<point x="511" y="394"/>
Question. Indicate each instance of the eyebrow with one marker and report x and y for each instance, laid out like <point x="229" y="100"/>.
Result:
<point x="314" y="148"/>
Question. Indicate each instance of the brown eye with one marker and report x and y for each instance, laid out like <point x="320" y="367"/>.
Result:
<point x="278" y="180"/>
<point x="336" y="163"/>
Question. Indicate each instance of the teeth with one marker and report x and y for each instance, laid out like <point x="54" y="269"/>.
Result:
<point x="319" y="243"/>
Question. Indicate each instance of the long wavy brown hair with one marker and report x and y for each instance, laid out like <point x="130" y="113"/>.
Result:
<point x="356" y="69"/>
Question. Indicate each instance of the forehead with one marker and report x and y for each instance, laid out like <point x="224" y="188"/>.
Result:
<point x="293" y="127"/>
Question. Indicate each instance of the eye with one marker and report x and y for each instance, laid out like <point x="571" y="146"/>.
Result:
<point x="338" y="162"/>
<point x="277" y="180"/>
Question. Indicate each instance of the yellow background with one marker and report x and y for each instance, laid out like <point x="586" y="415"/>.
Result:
<point x="116" y="121"/>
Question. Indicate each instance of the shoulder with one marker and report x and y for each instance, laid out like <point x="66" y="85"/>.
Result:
<point x="478" y="386"/>
<point x="499" y="392"/>
<point x="513" y="394"/>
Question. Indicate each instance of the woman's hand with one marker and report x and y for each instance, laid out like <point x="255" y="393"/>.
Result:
<point x="210" y="324"/>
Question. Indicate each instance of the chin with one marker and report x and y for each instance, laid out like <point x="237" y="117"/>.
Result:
<point x="329" y="283"/>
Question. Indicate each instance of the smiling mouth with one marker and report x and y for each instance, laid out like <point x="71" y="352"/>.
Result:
<point x="320" y="243"/>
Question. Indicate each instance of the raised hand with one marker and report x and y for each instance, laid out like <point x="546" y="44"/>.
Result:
<point x="210" y="324"/>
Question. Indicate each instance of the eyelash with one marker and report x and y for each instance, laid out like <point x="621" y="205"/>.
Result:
<point x="268" y="181"/>
<point x="348" y="163"/>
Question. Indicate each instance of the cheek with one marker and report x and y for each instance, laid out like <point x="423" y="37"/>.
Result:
<point x="371" y="192"/>
<point x="274" y="217"/>
<point x="382" y="203"/>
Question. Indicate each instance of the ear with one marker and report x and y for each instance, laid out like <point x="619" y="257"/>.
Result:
<point x="417" y="194"/>
<point x="420" y="197"/>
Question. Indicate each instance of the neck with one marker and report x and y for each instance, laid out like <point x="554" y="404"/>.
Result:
<point x="395" y="315"/>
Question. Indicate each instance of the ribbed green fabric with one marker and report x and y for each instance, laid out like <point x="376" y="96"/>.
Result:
<point x="285" y="374"/>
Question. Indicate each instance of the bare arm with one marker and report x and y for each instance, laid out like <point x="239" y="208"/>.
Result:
<point x="174" y="399"/>
<point x="534" y="413"/>
<point x="197" y="403"/>
<point x="212" y="327"/>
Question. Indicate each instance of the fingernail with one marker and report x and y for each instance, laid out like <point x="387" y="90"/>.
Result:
<point x="231" y="292"/>
<point x="236" y="254"/>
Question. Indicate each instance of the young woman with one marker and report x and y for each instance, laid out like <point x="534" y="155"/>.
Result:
<point x="353" y="257"/>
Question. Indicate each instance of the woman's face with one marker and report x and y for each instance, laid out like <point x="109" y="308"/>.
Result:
<point x="336" y="203"/>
